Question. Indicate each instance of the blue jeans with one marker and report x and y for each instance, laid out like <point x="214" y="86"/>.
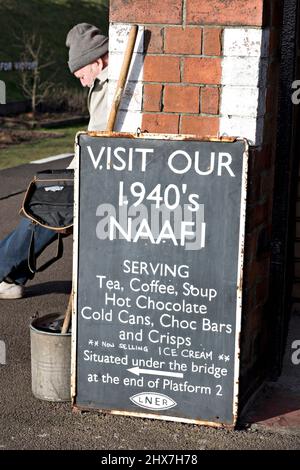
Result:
<point x="14" y="250"/>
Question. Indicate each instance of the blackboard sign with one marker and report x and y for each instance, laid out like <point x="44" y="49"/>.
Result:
<point x="158" y="273"/>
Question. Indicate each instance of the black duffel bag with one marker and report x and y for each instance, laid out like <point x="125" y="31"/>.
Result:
<point x="49" y="199"/>
<point x="49" y="202"/>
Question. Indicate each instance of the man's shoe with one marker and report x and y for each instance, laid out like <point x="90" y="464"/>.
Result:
<point x="11" y="290"/>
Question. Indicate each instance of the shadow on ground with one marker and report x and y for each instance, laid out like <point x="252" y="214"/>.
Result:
<point x="51" y="287"/>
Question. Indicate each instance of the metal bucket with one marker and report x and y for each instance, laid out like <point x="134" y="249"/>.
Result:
<point x="50" y="359"/>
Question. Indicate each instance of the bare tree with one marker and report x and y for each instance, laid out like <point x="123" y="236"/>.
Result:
<point x="33" y="61"/>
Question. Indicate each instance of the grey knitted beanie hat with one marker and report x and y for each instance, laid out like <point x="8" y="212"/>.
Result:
<point x="87" y="44"/>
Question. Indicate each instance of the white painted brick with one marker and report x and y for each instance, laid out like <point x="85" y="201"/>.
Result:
<point x="244" y="71"/>
<point x="242" y="101"/>
<point x="247" y="42"/>
<point x="135" y="70"/>
<point x="118" y="36"/>
<point x="128" y="121"/>
<point x="249" y="128"/>
<point x="132" y="96"/>
<point x="244" y="76"/>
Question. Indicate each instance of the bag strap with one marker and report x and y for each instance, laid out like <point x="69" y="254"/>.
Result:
<point x="32" y="257"/>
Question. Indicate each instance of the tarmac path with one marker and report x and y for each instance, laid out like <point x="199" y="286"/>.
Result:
<point x="29" y="423"/>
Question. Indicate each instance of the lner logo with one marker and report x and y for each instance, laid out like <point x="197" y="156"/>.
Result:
<point x="153" y="401"/>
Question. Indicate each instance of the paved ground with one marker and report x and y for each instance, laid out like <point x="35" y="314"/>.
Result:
<point x="29" y="423"/>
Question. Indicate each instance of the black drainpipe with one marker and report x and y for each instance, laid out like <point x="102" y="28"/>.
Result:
<point x="281" y="256"/>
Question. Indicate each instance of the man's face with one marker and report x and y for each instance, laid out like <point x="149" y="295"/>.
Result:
<point x="87" y="74"/>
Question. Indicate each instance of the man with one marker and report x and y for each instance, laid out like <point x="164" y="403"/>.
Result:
<point x="88" y="61"/>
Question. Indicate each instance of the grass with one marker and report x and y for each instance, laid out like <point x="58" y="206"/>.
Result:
<point x="50" y="20"/>
<point x="23" y="153"/>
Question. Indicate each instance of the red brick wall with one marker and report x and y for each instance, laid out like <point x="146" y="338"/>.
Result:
<point x="183" y="61"/>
